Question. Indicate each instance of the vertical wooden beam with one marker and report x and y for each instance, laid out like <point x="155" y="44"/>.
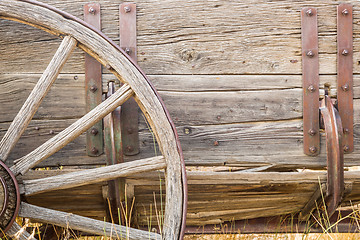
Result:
<point x="129" y="110"/>
<point x="310" y="74"/>
<point x="345" y="73"/>
<point x="93" y="85"/>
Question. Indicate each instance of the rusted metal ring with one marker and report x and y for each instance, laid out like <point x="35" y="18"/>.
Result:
<point x="17" y="195"/>
<point x="6" y="196"/>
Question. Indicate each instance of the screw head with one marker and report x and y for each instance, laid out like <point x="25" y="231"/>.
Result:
<point x="37" y="128"/>
<point x="129" y="149"/>
<point x="346" y="148"/>
<point x="94" y="131"/>
<point x="127" y="9"/>
<point x="310" y="53"/>
<point x="313" y="149"/>
<point x="94" y="150"/>
<point x="346" y="130"/>
<point x="311" y="88"/>
<point x="345" y="52"/>
<point x="345" y="12"/>
<point x="108" y="67"/>
<point x="93" y="88"/>
<point x="92" y="10"/>
<point x="312" y="132"/>
<point x="345" y="87"/>
<point x="309" y="12"/>
<point x="51" y="132"/>
<point x="127" y="50"/>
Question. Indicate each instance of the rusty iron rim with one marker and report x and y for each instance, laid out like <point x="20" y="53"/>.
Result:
<point x="6" y="196"/>
<point x="17" y="192"/>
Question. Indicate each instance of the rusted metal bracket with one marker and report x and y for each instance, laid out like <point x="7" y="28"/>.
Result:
<point x="310" y="71"/>
<point x="114" y="155"/>
<point x="93" y="85"/>
<point x="335" y="154"/>
<point x="129" y="110"/>
<point x="345" y="72"/>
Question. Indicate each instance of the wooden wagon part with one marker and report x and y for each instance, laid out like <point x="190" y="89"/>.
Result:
<point x="77" y="33"/>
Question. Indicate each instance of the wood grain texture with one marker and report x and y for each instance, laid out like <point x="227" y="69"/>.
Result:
<point x="17" y="232"/>
<point x="32" y="103"/>
<point x="23" y="164"/>
<point x="82" y="223"/>
<point x="196" y="37"/>
<point x="94" y="175"/>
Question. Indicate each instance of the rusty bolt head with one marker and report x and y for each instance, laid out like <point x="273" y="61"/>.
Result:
<point x="346" y="148"/>
<point x="94" y="150"/>
<point x="346" y="130"/>
<point x="312" y="132"/>
<point x="345" y="12"/>
<point x="127" y="9"/>
<point x="93" y="88"/>
<point x="311" y="88"/>
<point x="94" y="131"/>
<point x="345" y="87"/>
<point x="129" y="149"/>
<point x="51" y="132"/>
<point x="216" y="143"/>
<point x="313" y="149"/>
<point x="92" y="10"/>
<point x="310" y="53"/>
<point x="127" y="51"/>
<point x="345" y="52"/>
<point x="309" y="12"/>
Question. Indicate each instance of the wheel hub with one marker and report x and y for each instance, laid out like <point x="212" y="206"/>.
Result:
<point x="9" y="197"/>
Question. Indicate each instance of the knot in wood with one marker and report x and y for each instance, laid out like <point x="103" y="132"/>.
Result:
<point x="188" y="55"/>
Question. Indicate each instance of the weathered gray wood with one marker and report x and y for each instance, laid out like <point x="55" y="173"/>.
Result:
<point x="32" y="103"/>
<point x="83" y="224"/>
<point x="95" y="175"/>
<point x="74" y="130"/>
<point x="125" y="71"/>
<point x="192" y="37"/>
<point x="17" y="232"/>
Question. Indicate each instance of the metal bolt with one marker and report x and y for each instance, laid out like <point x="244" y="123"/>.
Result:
<point x="311" y="88"/>
<point x="345" y="12"/>
<point x="218" y="117"/>
<point x="76" y="77"/>
<point x="127" y="51"/>
<point x="108" y="67"/>
<point x="313" y="149"/>
<point x="346" y="130"/>
<point x="94" y="150"/>
<point x="345" y="52"/>
<point x="127" y="9"/>
<point x="94" y="131"/>
<point x="93" y="88"/>
<point x="187" y="131"/>
<point x="345" y="87"/>
<point x="216" y="143"/>
<point x="37" y="128"/>
<point x="92" y="10"/>
<point x="309" y="13"/>
<point x="51" y="132"/>
<point x="346" y="148"/>
<point x="129" y="149"/>
<point x="312" y="132"/>
<point x="310" y="53"/>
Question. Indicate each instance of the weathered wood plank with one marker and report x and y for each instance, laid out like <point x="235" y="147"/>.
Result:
<point x="265" y="38"/>
<point x="32" y="103"/>
<point x="94" y="175"/>
<point x="82" y="223"/>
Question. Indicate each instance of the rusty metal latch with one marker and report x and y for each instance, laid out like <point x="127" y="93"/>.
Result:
<point x="336" y="121"/>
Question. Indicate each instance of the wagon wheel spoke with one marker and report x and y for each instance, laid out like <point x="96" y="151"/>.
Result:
<point x="95" y="175"/>
<point x="32" y="103"/>
<point x="17" y="232"/>
<point x="23" y="164"/>
<point x="76" y="222"/>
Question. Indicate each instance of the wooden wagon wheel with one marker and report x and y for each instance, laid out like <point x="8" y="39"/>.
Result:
<point x="75" y="32"/>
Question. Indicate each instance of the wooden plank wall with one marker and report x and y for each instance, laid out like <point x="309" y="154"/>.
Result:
<point x="228" y="71"/>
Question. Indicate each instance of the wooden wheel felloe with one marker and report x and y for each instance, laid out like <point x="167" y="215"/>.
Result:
<point x="75" y="32"/>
